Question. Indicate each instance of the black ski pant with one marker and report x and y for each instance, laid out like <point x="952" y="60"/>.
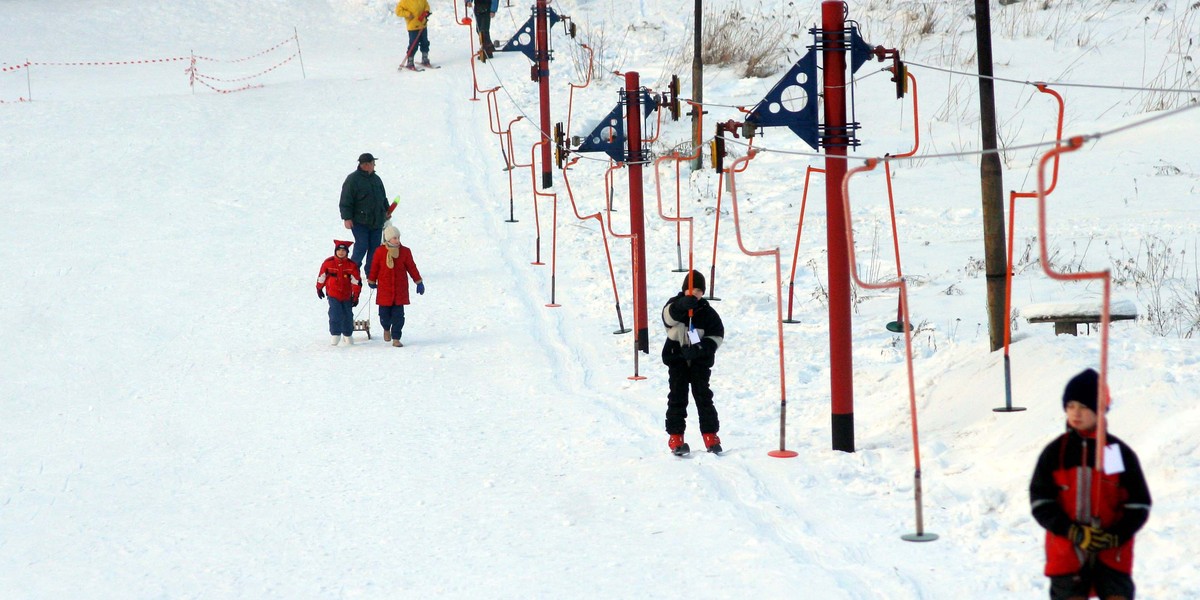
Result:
<point x="483" y="24"/>
<point x="1106" y="581"/>
<point x="681" y="377"/>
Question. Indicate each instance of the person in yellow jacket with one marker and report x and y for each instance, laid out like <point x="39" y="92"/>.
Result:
<point x="416" y="14"/>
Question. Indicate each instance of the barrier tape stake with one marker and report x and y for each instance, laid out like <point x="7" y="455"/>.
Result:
<point x="296" y="36"/>
<point x="192" y="72"/>
<point x="28" y="86"/>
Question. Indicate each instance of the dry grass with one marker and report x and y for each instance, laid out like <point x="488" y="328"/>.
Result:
<point x="759" y="43"/>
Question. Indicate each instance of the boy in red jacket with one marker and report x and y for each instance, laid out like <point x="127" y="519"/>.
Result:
<point x="1090" y="515"/>
<point x="390" y="269"/>
<point x="340" y="281"/>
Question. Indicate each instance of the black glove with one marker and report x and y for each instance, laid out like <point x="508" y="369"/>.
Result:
<point x="371" y="284"/>
<point x="1092" y="539"/>
<point x="321" y="293"/>
<point x="687" y="303"/>
<point x="692" y="352"/>
<point x="355" y="301"/>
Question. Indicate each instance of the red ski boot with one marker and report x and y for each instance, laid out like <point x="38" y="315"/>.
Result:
<point x="712" y="442"/>
<point x="677" y="445"/>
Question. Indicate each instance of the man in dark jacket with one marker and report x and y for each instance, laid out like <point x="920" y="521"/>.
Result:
<point x="694" y="332"/>
<point x="364" y="209"/>
<point x="1090" y="515"/>
<point x="484" y="11"/>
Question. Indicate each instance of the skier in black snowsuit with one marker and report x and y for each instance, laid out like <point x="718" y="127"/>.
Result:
<point x="694" y="332"/>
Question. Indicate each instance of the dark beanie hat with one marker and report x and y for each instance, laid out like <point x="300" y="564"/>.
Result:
<point x="697" y="282"/>
<point x="1083" y="388"/>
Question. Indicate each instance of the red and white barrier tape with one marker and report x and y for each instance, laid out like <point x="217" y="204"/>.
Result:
<point x="113" y="63"/>
<point x="200" y="75"/>
<point x="193" y="74"/>
<point x="221" y="91"/>
<point x="110" y="63"/>
<point x="238" y="60"/>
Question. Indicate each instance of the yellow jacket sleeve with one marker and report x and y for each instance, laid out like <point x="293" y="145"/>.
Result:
<point x="412" y="10"/>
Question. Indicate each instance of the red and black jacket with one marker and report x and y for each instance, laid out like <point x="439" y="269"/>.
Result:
<point x="339" y="277"/>
<point x="1064" y="488"/>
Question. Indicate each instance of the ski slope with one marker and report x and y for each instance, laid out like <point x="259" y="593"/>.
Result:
<point x="174" y="423"/>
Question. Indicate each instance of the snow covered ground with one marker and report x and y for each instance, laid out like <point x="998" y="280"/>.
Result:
<point x="174" y="423"/>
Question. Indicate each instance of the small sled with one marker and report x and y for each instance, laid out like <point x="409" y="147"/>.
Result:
<point x="363" y="325"/>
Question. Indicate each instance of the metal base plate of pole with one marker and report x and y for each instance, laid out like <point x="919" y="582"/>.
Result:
<point x="1008" y="407"/>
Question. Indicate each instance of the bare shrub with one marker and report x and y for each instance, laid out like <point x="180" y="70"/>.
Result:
<point x="608" y="54"/>
<point x="759" y="42"/>
<point x="1178" y="69"/>
<point x="1165" y="284"/>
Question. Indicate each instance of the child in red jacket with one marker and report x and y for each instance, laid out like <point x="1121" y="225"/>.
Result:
<point x="391" y="267"/>
<point x="1090" y="514"/>
<point x="340" y="281"/>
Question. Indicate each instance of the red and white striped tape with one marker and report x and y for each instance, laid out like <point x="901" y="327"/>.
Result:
<point x="194" y="75"/>
<point x="221" y="91"/>
<point x="238" y="60"/>
<point x="146" y="61"/>
<point x="110" y="63"/>
<point x="248" y="77"/>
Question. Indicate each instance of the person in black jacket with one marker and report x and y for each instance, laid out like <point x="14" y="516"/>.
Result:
<point x="484" y="11"/>
<point x="694" y="332"/>
<point x="1090" y="515"/>
<point x="364" y="209"/>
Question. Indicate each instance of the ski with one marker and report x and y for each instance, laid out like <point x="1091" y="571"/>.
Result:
<point x="405" y="68"/>
<point x="432" y="66"/>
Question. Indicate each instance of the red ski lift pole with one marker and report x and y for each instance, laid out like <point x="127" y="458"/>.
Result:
<point x="465" y="21"/>
<point x="677" y="219"/>
<point x="899" y="283"/>
<point x="637" y="342"/>
<point x="537" y="222"/>
<point x="574" y="86"/>
<point x="553" y="232"/>
<point x="712" y="269"/>
<point x="506" y="136"/>
<point x="657" y="129"/>
<point x="1105" y="277"/>
<point x="896" y="326"/>
<point x="678" y="226"/>
<point x="608" y="187"/>
<point x="612" y="276"/>
<point x="541" y="47"/>
<point x="796" y="248"/>
<point x="1008" y="274"/>
<point x="782" y="452"/>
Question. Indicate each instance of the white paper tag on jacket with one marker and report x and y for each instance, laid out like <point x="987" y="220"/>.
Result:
<point x="693" y="337"/>
<point x="1113" y="463"/>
